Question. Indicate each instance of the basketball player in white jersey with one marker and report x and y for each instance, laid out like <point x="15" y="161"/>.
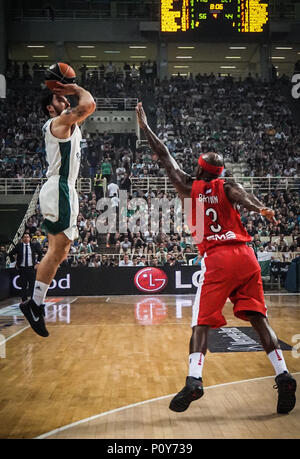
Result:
<point x="58" y="197"/>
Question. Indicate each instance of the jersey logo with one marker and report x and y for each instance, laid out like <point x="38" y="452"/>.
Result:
<point x="208" y="191"/>
<point x="223" y="237"/>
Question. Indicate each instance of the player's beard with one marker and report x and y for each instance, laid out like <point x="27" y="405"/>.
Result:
<point x="58" y="109"/>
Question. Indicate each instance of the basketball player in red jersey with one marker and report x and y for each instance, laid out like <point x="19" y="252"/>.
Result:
<point x="229" y="268"/>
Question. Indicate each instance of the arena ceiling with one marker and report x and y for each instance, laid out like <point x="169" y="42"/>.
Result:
<point x="182" y="57"/>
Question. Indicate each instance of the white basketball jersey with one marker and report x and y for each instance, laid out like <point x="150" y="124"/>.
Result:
<point x="62" y="155"/>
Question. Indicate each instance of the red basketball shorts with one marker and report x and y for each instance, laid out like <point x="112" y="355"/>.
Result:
<point x="228" y="272"/>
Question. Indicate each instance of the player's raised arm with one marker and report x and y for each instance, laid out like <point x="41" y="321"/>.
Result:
<point x="86" y="104"/>
<point x="237" y="194"/>
<point x="181" y="180"/>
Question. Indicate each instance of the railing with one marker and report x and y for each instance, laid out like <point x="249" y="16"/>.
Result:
<point x="279" y="256"/>
<point x="113" y="10"/>
<point x="253" y="184"/>
<point x="28" y="186"/>
<point x="116" y="104"/>
<point x="117" y="257"/>
<point x="84" y="185"/>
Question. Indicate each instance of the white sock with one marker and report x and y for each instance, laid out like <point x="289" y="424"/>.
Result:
<point x="39" y="292"/>
<point x="196" y="362"/>
<point x="278" y="362"/>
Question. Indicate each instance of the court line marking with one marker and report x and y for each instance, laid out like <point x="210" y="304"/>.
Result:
<point x="25" y="328"/>
<point x="116" y="410"/>
<point x="15" y="334"/>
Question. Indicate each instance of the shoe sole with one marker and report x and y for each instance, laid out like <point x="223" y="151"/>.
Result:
<point x="182" y="403"/>
<point x="38" y="332"/>
<point x="287" y="397"/>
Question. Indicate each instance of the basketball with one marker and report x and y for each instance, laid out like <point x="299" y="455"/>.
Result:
<point x="61" y="72"/>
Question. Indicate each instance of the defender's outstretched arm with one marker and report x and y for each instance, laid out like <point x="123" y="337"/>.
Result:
<point x="181" y="180"/>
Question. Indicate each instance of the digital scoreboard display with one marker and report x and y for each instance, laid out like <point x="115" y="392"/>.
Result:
<point x="207" y="16"/>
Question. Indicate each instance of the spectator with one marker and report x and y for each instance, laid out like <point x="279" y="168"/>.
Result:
<point x="126" y="245"/>
<point x="3" y="257"/>
<point x="106" y="169"/>
<point x="125" y="183"/>
<point x="113" y="189"/>
<point x="125" y="261"/>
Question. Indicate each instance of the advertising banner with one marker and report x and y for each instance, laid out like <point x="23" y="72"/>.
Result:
<point x="119" y="281"/>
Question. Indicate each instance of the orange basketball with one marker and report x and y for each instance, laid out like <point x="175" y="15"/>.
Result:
<point x="61" y="72"/>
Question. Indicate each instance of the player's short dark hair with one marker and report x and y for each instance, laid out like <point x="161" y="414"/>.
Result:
<point x="46" y="100"/>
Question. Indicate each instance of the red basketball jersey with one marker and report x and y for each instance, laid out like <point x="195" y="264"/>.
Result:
<point x="220" y="221"/>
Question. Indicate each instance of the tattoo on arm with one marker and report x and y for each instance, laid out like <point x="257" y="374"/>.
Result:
<point x="78" y="111"/>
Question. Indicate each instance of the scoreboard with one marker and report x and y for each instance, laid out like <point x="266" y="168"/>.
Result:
<point x="215" y="17"/>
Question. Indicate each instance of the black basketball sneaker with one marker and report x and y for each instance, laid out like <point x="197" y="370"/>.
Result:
<point x="286" y="386"/>
<point x="35" y="316"/>
<point x="193" y="390"/>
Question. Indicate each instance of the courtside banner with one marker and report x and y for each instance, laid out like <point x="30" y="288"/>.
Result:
<point x="118" y="281"/>
<point x="4" y="284"/>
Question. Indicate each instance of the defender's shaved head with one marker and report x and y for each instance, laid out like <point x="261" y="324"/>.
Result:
<point x="211" y="159"/>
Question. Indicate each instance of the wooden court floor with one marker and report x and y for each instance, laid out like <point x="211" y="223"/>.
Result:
<point x="110" y="366"/>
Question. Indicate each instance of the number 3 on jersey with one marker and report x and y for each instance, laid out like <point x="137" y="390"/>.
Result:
<point x="214" y="228"/>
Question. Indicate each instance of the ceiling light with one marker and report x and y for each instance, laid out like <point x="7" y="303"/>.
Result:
<point x="184" y="57"/>
<point x="40" y="56"/>
<point x="186" y="47"/>
<point x="227" y="66"/>
<point x="88" y="57"/>
<point x="237" y="47"/>
<point x="181" y="74"/>
<point x="85" y="46"/>
<point x="233" y="57"/>
<point x="112" y="52"/>
<point x="35" y="46"/>
<point x="278" y="57"/>
<point x="181" y="66"/>
<point x="283" y="47"/>
<point x="137" y="47"/>
<point x="138" y="57"/>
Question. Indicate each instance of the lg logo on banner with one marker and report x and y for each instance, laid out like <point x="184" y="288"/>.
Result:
<point x="63" y="284"/>
<point x="296" y="87"/>
<point x="150" y="280"/>
<point x="154" y="280"/>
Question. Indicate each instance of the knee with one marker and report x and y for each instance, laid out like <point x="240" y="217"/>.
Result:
<point x="256" y="317"/>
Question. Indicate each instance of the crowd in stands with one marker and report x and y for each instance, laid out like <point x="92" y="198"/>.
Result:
<point x="245" y="120"/>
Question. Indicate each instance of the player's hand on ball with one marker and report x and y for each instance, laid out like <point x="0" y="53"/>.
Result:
<point x="269" y="214"/>
<point x="141" y="116"/>
<point x="64" y="89"/>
